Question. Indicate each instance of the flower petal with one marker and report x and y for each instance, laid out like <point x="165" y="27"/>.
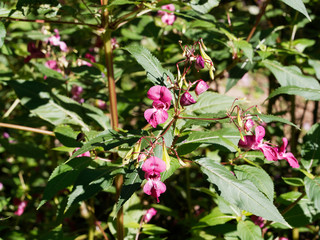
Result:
<point x="154" y="164"/>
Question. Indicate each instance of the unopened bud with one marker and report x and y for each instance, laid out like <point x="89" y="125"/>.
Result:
<point x="199" y="63"/>
<point x="186" y="99"/>
<point x="201" y="87"/>
<point x="165" y="156"/>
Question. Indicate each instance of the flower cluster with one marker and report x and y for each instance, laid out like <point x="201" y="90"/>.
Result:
<point x="161" y="97"/>
<point x="167" y="18"/>
<point x="272" y="153"/>
<point x="152" y="167"/>
<point x="55" y="41"/>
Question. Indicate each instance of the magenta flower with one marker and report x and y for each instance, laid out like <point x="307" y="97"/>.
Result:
<point x="1" y="186"/>
<point x="53" y="65"/>
<point x="167" y="18"/>
<point x="248" y="125"/>
<point x="35" y="51"/>
<point x="6" y="135"/>
<point x="187" y="99"/>
<point x="293" y="162"/>
<point x="76" y="92"/>
<point x="21" y="206"/>
<point x="161" y="97"/>
<point x="201" y="87"/>
<point x="199" y="63"/>
<point x="55" y="41"/>
<point x="86" y="154"/>
<point x="151" y="212"/>
<point x="101" y="104"/>
<point x="259" y="221"/>
<point x="255" y="142"/>
<point x="152" y="167"/>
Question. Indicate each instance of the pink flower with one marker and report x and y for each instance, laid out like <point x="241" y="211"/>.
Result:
<point x="151" y="212"/>
<point x="53" y="65"/>
<point x="1" y="186"/>
<point x="55" y="41"/>
<point x="161" y="97"/>
<point x="21" y="206"/>
<point x="248" y="125"/>
<point x="254" y="142"/>
<point x="76" y="92"/>
<point x="6" y="135"/>
<point x="152" y="167"/>
<point x="86" y="154"/>
<point x="167" y="18"/>
<point x="287" y="156"/>
<point x="101" y="104"/>
<point x="257" y="220"/>
<point x="201" y="87"/>
<point x="187" y="99"/>
<point x="199" y="63"/>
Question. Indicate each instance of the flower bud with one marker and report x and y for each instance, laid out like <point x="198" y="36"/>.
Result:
<point x="186" y="99"/>
<point x="199" y="63"/>
<point x="248" y="125"/>
<point x="201" y="87"/>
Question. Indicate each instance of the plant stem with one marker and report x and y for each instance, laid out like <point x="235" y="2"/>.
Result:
<point x="113" y="105"/>
<point x="29" y="129"/>
<point x="12" y="107"/>
<point x="49" y="21"/>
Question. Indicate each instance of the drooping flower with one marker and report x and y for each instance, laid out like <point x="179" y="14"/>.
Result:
<point x="151" y="212"/>
<point x="161" y="97"/>
<point x="152" y="167"/>
<point x="199" y="64"/>
<point x="201" y="87"/>
<point x="282" y="154"/>
<point x="187" y="99"/>
<point x="166" y="17"/>
<point x="255" y="142"/>
<point x="76" y="92"/>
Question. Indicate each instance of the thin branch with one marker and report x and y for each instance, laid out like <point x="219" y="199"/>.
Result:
<point x="90" y="11"/>
<point x="49" y="21"/>
<point x="29" y="129"/>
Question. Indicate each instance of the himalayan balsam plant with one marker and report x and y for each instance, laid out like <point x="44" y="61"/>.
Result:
<point x="159" y="120"/>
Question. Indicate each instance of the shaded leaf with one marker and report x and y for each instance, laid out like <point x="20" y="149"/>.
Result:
<point x="307" y="93"/>
<point x="215" y="217"/>
<point x="2" y="34"/>
<point x="271" y="118"/>
<point x="204" y="8"/>
<point x="297" y="182"/>
<point x="313" y="190"/>
<point x="243" y="194"/>
<point x="311" y="147"/>
<point x="235" y="75"/>
<point x="67" y="136"/>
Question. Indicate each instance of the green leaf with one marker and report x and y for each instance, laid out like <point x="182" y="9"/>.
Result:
<point x="311" y="147"/>
<point x="63" y="176"/>
<point x="215" y="217"/>
<point x="151" y="229"/>
<point x="307" y="93"/>
<point x="227" y="137"/>
<point x="67" y="136"/>
<point x="132" y="182"/>
<point x="313" y="190"/>
<point x="48" y="71"/>
<point x="245" y="47"/>
<point x="155" y="72"/>
<point x="291" y="75"/>
<point x="204" y="8"/>
<point x="271" y="118"/>
<point x="243" y="194"/>
<point x="89" y="183"/>
<point x="247" y="230"/>
<point x="235" y="75"/>
<point x="174" y="165"/>
<point x="210" y="102"/>
<point x="299" y="6"/>
<point x="2" y="34"/>
<point x="296" y="182"/>
<point x="316" y="66"/>
<point x="108" y="139"/>
<point x="258" y="177"/>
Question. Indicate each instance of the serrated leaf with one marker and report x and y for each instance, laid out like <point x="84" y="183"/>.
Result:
<point x="108" y="139"/>
<point x="299" y="6"/>
<point x="313" y="190"/>
<point x="210" y="102"/>
<point x="204" y="8"/>
<point x="155" y="72"/>
<point x="296" y="182"/>
<point x="271" y="118"/>
<point x="240" y="193"/>
<point x="89" y="183"/>
<point x="63" y="176"/>
<point x="247" y="230"/>
<point x="2" y="34"/>
<point x="132" y="182"/>
<point x="258" y="177"/>
<point x="291" y="75"/>
<point x="307" y="93"/>
<point x="219" y="137"/>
